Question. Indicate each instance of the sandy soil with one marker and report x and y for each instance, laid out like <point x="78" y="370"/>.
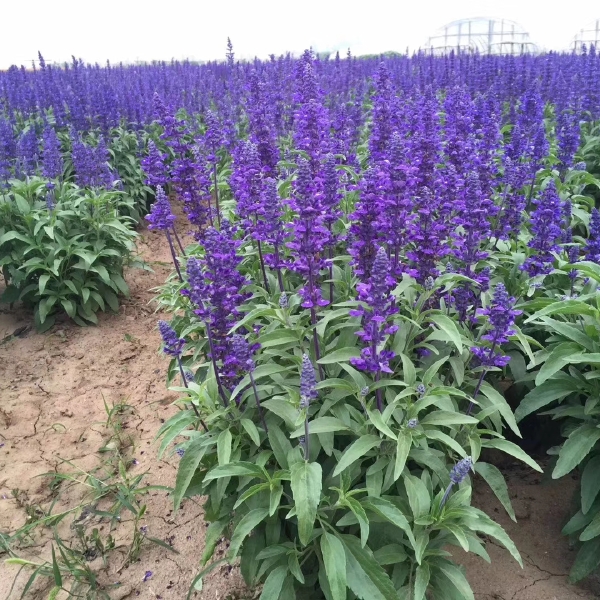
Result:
<point x="52" y="392"/>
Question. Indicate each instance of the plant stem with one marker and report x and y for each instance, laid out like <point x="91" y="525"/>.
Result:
<point x="185" y="383"/>
<point x="262" y="267"/>
<point x="260" y="410"/>
<point x="306" y="438"/>
<point x="214" y="362"/>
<point x="174" y="256"/>
<point x="279" y="276"/>
<point x="178" y="241"/>
<point x="313" y="320"/>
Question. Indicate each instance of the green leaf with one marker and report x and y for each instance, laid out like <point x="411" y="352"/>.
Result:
<point x="341" y="355"/>
<point x="283" y="409"/>
<point x="375" y="575"/>
<point x="495" y="480"/>
<point x="386" y="510"/>
<point x="445" y="417"/>
<point x="211" y="537"/>
<point x="458" y="580"/>
<point x="477" y="520"/>
<point x="513" y="450"/>
<point x="251" y="430"/>
<point x="571" y="332"/>
<point x="334" y="558"/>
<point x="564" y="307"/>
<point x="273" y="584"/>
<point x="360" y="514"/>
<point x="422" y="576"/>
<point x="306" y="482"/>
<point x="418" y="495"/>
<point x="56" y="570"/>
<point x="559" y="357"/>
<point x="402" y="449"/>
<point x="500" y="402"/>
<point x="390" y="554"/>
<point x="196" y="584"/>
<point x="378" y="420"/>
<point x="448" y="326"/>
<point x="43" y="282"/>
<point x="592" y="530"/>
<point x="321" y="425"/>
<point x="408" y="370"/>
<point x="244" y="528"/>
<point x="258" y="373"/>
<point x="234" y="469"/>
<point x="434" y="434"/>
<point x="275" y="499"/>
<point x="590" y="483"/>
<point x="224" y="447"/>
<point x="357" y="449"/>
<point x="540" y="396"/>
<point x="187" y="467"/>
<point x="280" y="444"/>
<point x="586" y="561"/>
<point x="575" y="449"/>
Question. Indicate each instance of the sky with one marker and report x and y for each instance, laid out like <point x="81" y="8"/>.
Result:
<point x="130" y="30"/>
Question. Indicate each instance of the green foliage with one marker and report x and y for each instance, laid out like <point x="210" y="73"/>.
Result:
<point x="362" y="515"/>
<point x="568" y="380"/>
<point x="68" y="257"/>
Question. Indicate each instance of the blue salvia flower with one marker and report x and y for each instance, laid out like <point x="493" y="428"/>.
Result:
<point x="501" y="316"/>
<point x="308" y="382"/>
<point x="283" y="300"/>
<point x="52" y="166"/>
<point x="546" y="222"/>
<point x="50" y="201"/>
<point x="457" y="475"/>
<point x="413" y="423"/>
<point x="592" y="247"/>
<point x="160" y="216"/>
<point x="173" y="344"/>
<point x="28" y="151"/>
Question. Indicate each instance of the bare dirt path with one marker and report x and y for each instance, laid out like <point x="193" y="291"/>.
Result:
<point x="53" y="388"/>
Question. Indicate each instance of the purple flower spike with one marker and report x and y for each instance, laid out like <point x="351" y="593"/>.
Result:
<point x="501" y="317"/>
<point x="592" y="248"/>
<point x="460" y="471"/>
<point x="52" y="159"/>
<point x="308" y="382"/>
<point x="173" y="344"/>
<point x="546" y="224"/>
<point x="161" y="216"/>
<point x="377" y="308"/>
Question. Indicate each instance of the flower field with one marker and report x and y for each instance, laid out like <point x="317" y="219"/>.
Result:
<point x="383" y="285"/>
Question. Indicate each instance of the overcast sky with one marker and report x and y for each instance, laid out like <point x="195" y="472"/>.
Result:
<point x="129" y="30"/>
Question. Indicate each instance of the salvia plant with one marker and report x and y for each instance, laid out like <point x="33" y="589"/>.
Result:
<point x="382" y="248"/>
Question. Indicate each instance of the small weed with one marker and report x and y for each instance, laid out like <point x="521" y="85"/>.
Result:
<point x="111" y="491"/>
